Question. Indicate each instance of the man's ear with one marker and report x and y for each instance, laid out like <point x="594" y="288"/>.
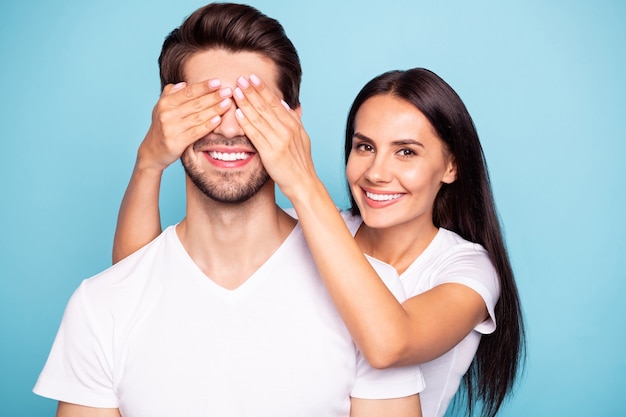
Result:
<point x="450" y="175"/>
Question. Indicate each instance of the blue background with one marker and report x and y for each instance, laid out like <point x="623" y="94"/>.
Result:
<point x="544" y="81"/>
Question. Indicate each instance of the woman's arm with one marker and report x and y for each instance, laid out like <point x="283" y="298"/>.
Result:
<point x="396" y="407"/>
<point x="74" y="410"/>
<point x="139" y="220"/>
<point x="182" y="115"/>
<point x="387" y="333"/>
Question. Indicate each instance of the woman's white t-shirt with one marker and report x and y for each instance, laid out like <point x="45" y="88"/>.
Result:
<point x="448" y="259"/>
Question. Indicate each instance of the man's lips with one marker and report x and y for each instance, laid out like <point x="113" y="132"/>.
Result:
<point x="228" y="157"/>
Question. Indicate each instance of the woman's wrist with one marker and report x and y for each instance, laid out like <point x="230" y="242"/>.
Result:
<point x="147" y="168"/>
<point x="308" y="195"/>
<point x="147" y="163"/>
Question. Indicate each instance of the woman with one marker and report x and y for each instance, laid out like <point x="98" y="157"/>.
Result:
<point x="423" y="213"/>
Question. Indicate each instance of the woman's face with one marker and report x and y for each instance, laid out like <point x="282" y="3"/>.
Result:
<point x="397" y="164"/>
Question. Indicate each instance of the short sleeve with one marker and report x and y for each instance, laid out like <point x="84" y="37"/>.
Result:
<point x="469" y="265"/>
<point x="79" y="367"/>
<point x="376" y="384"/>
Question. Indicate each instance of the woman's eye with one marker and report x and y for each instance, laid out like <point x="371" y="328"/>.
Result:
<point x="364" y="147"/>
<point x="406" y="152"/>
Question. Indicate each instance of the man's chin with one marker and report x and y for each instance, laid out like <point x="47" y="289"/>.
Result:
<point x="233" y="193"/>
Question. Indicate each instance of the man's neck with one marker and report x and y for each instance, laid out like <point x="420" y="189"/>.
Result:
<point x="229" y="242"/>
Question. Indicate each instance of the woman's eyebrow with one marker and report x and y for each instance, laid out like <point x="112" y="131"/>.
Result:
<point x="398" y="142"/>
<point x="361" y="136"/>
<point x="403" y="142"/>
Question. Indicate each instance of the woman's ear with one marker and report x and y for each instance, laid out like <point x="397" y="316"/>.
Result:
<point x="450" y="175"/>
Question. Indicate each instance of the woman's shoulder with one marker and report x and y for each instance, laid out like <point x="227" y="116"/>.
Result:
<point x="459" y="260"/>
<point x="451" y="257"/>
<point x="448" y="241"/>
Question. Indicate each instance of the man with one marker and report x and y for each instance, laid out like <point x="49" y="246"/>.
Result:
<point x="223" y="314"/>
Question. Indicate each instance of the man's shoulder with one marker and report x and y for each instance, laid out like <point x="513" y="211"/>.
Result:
<point x="132" y="273"/>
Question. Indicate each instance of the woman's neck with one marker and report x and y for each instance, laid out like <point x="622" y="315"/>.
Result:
<point x="397" y="246"/>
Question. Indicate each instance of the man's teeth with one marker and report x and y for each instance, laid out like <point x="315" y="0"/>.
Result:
<point x="382" y="197"/>
<point x="232" y="156"/>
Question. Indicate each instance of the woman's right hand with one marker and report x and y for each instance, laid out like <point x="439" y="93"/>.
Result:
<point x="183" y="115"/>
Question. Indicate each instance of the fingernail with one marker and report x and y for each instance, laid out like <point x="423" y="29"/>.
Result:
<point x="225" y="103"/>
<point x="285" y="105"/>
<point x="179" y="86"/>
<point x="215" y="120"/>
<point x="214" y="83"/>
<point x="243" y="82"/>
<point x="238" y="93"/>
<point x="226" y="92"/>
<point x="239" y="113"/>
<point x="255" y="80"/>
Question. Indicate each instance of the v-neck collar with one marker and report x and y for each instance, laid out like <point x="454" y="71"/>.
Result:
<point x="193" y="270"/>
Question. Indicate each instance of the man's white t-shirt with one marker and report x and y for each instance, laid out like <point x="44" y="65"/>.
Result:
<point x="448" y="259"/>
<point x="153" y="336"/>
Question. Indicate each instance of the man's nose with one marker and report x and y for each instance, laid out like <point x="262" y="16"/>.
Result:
<point x="229" y="126"/>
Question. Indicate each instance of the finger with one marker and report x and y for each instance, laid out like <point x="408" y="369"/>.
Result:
<point x="182" y="92"/>
<point x="171" y="88"/>
<point x="252" y="116"/>
<point x="286" y="164"/>
<point x="271" y="98"/>
<point x="194" y="112"/>
<point x="266" y="102"/>
<point x="279" y="127"/>
<point x="259" y="93"/>
<point x="267" y="94"/>
<point x="256" y="137"/>
<point x="273" y="137"/>
<point x="201" y="123"/>
<point x="285" y="115"/>
<point x="261" y="112"/>
<point x="209" y="116"/>
<point x="204" y="102"/>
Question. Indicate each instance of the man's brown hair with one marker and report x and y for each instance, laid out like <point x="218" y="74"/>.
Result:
<point x="234" y="28"/>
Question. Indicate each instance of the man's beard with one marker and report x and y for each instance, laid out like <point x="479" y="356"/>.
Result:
<point x="226" y="189"/>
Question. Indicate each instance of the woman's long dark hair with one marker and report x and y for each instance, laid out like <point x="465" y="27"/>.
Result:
<point x="466" y="207"/>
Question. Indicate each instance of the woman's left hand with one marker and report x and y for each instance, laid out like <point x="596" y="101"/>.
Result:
<point x="277" y="133"/>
